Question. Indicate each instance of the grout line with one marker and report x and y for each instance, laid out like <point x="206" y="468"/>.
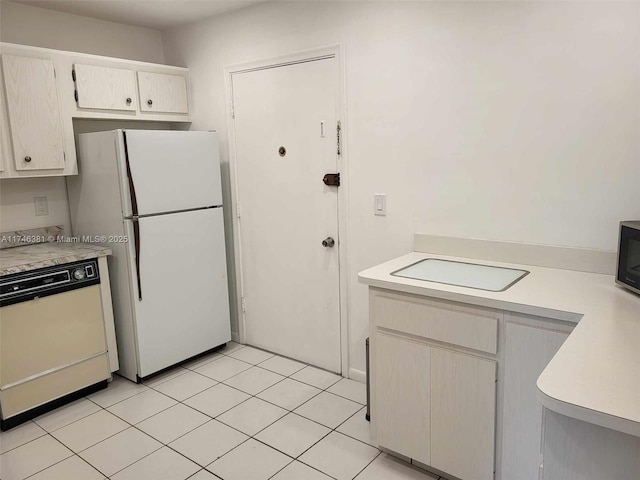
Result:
<point x="143" y="457"/>
<point x="76" y="420"/>
<point x="56" y="463"/>
<point x="32" y="440"/>
<point x="365" y="467"/>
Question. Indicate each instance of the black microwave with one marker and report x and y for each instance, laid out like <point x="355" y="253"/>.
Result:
<point x="628" y="274"/>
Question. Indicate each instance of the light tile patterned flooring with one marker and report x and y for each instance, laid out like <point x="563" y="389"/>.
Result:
<point x="239" y="414"/>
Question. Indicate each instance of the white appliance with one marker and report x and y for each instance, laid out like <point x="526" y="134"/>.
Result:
<point x="52" y="339"/>
<point x="154" y="197"/>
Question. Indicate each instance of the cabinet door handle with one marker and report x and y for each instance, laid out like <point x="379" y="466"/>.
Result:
<point x="27" y="159"/>
<point x="149" y="102"/>
<point x="128" y="100"/>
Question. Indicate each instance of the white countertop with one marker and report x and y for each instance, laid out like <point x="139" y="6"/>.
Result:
<point x="595" y="376"/>
<point x="31" y="257"/>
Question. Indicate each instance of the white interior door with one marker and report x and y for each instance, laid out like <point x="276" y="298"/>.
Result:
<point x="290" y="280"/>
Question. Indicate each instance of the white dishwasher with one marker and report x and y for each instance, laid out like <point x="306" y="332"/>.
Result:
<point x="52" y="339"/>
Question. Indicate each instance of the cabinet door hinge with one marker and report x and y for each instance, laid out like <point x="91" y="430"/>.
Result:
<point x="338" y="139"/>
<point x="73" y="74"/>
<point x="64" y="156"/>
<point x="75" y="95"/>
<point x="237" y="209"/>
<point x="54" y="73"/>
<point x="244" y="305"/>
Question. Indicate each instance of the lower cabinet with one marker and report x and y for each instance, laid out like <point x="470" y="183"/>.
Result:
<point x="528" y="350"/>
<point x="403" y="396"/>
<point x="463" y="406"/>
<point x="454" y="385"/>
<point x="436" y="406"/>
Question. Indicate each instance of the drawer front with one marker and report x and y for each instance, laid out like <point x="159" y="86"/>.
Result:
<point x="40" y="390"/>
<point x="449" y="322"/>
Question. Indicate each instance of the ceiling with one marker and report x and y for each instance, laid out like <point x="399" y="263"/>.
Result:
<point x="157" y="14"/>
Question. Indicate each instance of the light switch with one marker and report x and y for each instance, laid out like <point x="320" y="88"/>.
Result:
<point x="380" y="204"/>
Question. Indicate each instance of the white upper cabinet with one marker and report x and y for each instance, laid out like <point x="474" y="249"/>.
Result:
<point x="105" y="88"/>
<point x="43" y="91"/>
<point x="161" y="93"/>
<point x="34" y="113"/>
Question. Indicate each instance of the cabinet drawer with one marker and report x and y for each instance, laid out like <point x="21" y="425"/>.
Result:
<point x="105" y="88"/>
<point x="449" y="322"/>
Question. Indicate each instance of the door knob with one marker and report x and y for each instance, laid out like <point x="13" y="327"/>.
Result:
<point x="149" y="102"/>
<point x="27" y="159"/>
<point x="128" y="100"/>
<point x="328" y="242"/>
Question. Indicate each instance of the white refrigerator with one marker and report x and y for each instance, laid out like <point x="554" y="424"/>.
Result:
<point x="154" y="197"/>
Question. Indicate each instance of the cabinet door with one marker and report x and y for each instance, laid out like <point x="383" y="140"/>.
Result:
<point x="463" y="404"/>
<point x="34" y="115"/>
<point x="162" y="93"/>
<point x="105" y="88"/>
<point x="402" y="372"/>
<point x="528" y="351"/>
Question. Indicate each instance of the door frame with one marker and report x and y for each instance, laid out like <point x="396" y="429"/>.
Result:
<point x="335" y="51"/>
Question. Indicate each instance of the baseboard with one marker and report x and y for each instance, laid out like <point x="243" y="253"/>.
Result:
<point x="357" y="375"/>
<point x="551" y="256"/>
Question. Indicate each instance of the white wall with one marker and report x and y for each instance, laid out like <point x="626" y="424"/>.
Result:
<point x="513" y="121"/>
<point x="40" y="27"/>
<point x="28" y="25"/>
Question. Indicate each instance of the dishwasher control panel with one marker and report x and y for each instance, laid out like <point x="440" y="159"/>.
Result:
<point x="24" y="286"/>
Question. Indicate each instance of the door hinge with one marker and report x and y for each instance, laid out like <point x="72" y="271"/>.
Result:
<point x="244" y="305"/>
<point x="73" y="74"/>
<point x="54" y="73"/>
<point x="237" y="209"/>
<point x="338" y="134"/>
<point x="64" y="156"/>
<point x="233" y="109"/>
<point x="332" y="179"/>
<point x="75" y="95"/>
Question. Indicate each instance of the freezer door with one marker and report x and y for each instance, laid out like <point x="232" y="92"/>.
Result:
<point x="182" y="304"/>
<point x="172" y="170"/>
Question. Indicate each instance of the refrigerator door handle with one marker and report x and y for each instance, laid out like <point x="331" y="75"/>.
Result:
<point x="134" y="216"/>
<point x="132" y="187"/>
<point x="136" y="244"/>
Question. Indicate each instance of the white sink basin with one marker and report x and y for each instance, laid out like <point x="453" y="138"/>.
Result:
<point x="472" y="275"/>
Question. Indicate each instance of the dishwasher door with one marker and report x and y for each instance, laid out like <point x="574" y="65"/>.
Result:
<point x="50" y="347"/>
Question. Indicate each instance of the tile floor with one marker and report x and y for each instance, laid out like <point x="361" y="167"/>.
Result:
<point x="239" y="414"/>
